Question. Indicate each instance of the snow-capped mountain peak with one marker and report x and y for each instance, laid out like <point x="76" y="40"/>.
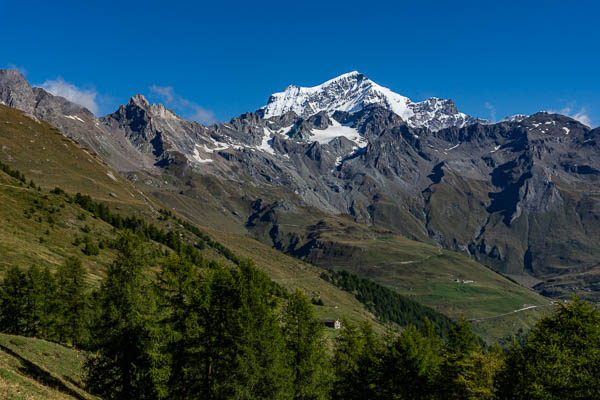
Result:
<point x="352" y="91"/>
<point x="348" y="92"/>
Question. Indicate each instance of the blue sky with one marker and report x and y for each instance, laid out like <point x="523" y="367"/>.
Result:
<point x="213" y="61"/>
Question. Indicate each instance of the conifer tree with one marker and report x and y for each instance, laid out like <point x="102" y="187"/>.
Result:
<point x="560" y="360"/>
<point x="13" y="302"/>
<point x="261" y="369"/>
<point x="356" y="362"/>
<point x="467" y="372"/>
<point x="221" y="320"/>
<point x="177" y="362"/>
<point x="72" y="302"/>
<point x="37" y="299"/>
<point x="478" y="371"/>
<point x="304" y="341"/>
<point x="49" y="314"/>
<point x="120" y="367"/>
<point x="461" y="339"/>
<point x="410" y="365"/>
<point x="222" y="334"/>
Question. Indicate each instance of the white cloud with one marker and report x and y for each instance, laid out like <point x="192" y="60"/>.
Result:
<point x="187" y="108"/>
<point x="164" y="92"/>
<point x="492" y="109"/>
<point x="85" y="98"/>
<point x="581" y="114"/>
<point x="583" y="117"/>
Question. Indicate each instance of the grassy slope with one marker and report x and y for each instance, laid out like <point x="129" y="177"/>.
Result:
<point x="44" y="154"/>
<point x="293" y="273"/>
<point x="494" y="328"/>
<point x="427" y="273"/>
<point x="28" y="238"/>
<point x="421" y="270"/>
<point x="35" y="369"/>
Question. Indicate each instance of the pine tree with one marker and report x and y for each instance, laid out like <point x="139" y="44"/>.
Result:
<point x="467" y="373"/>
<point x="90" y="248"/>
<point x="202" y="328"/>
<point x="49" y="299"/>
<point x="461" y="339"/>
<point x="410" y="366"/>
<point x="72" y="302"/>
<point x="13" y="302"/>
<point x="50" y="316"/>
<point x="304" y="341"/>
<point x="120" y="367"/>
<point x="356" y="363"/>
<point x="177" y="363"/>
<point x="261" y="370"/>
<point x="222" y="335"/>
<point x="560" y="360"/>
<point x="221" y="320"/>
<point x="478" y="371"/>
<point x="35" y="299"/>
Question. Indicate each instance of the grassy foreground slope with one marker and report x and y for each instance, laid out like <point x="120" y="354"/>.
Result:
<point x="36" y="369"/>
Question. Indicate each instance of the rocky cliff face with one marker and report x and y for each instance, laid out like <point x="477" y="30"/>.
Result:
<point x="76" y="121"/>
<point x="521" y="196"/>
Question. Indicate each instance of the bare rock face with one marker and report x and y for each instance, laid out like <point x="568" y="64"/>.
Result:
<point x="15" y="90"/>
<point x="303" y="127"/>
<point x="76" y="121"/>
<point x="518" y="195"/>
<point x="153" y="131"/>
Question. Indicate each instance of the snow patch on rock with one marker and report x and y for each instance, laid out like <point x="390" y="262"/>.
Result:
<point x="267" y="142"/>
<point x="198" y="159"/>
<point x="74" y="117"/>
<point x="324" y="136"/>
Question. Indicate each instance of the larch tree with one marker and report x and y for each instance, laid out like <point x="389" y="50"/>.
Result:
<point x="120" y="363"/>
<point x="307" y="353"/>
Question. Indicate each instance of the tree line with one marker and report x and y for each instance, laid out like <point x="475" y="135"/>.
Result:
<point x="13" y="173"/>
<point x="137" y="225"/>
<point x="188" y="330"/>
<point x="387" y="304"/>
<point x="47" y="305"/>
<point x="175" y="329"/>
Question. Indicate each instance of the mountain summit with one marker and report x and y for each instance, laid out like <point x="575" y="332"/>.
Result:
<point x="353" y="91"/>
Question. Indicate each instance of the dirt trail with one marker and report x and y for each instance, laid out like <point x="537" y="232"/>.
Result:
<point x="423" y="259"/>
<point x="503" y="315"/>
<point x="15" y="187"/>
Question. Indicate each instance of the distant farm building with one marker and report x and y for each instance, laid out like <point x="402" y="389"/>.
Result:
<point x="332" y="323"/>
<point x="463" y="281"/>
